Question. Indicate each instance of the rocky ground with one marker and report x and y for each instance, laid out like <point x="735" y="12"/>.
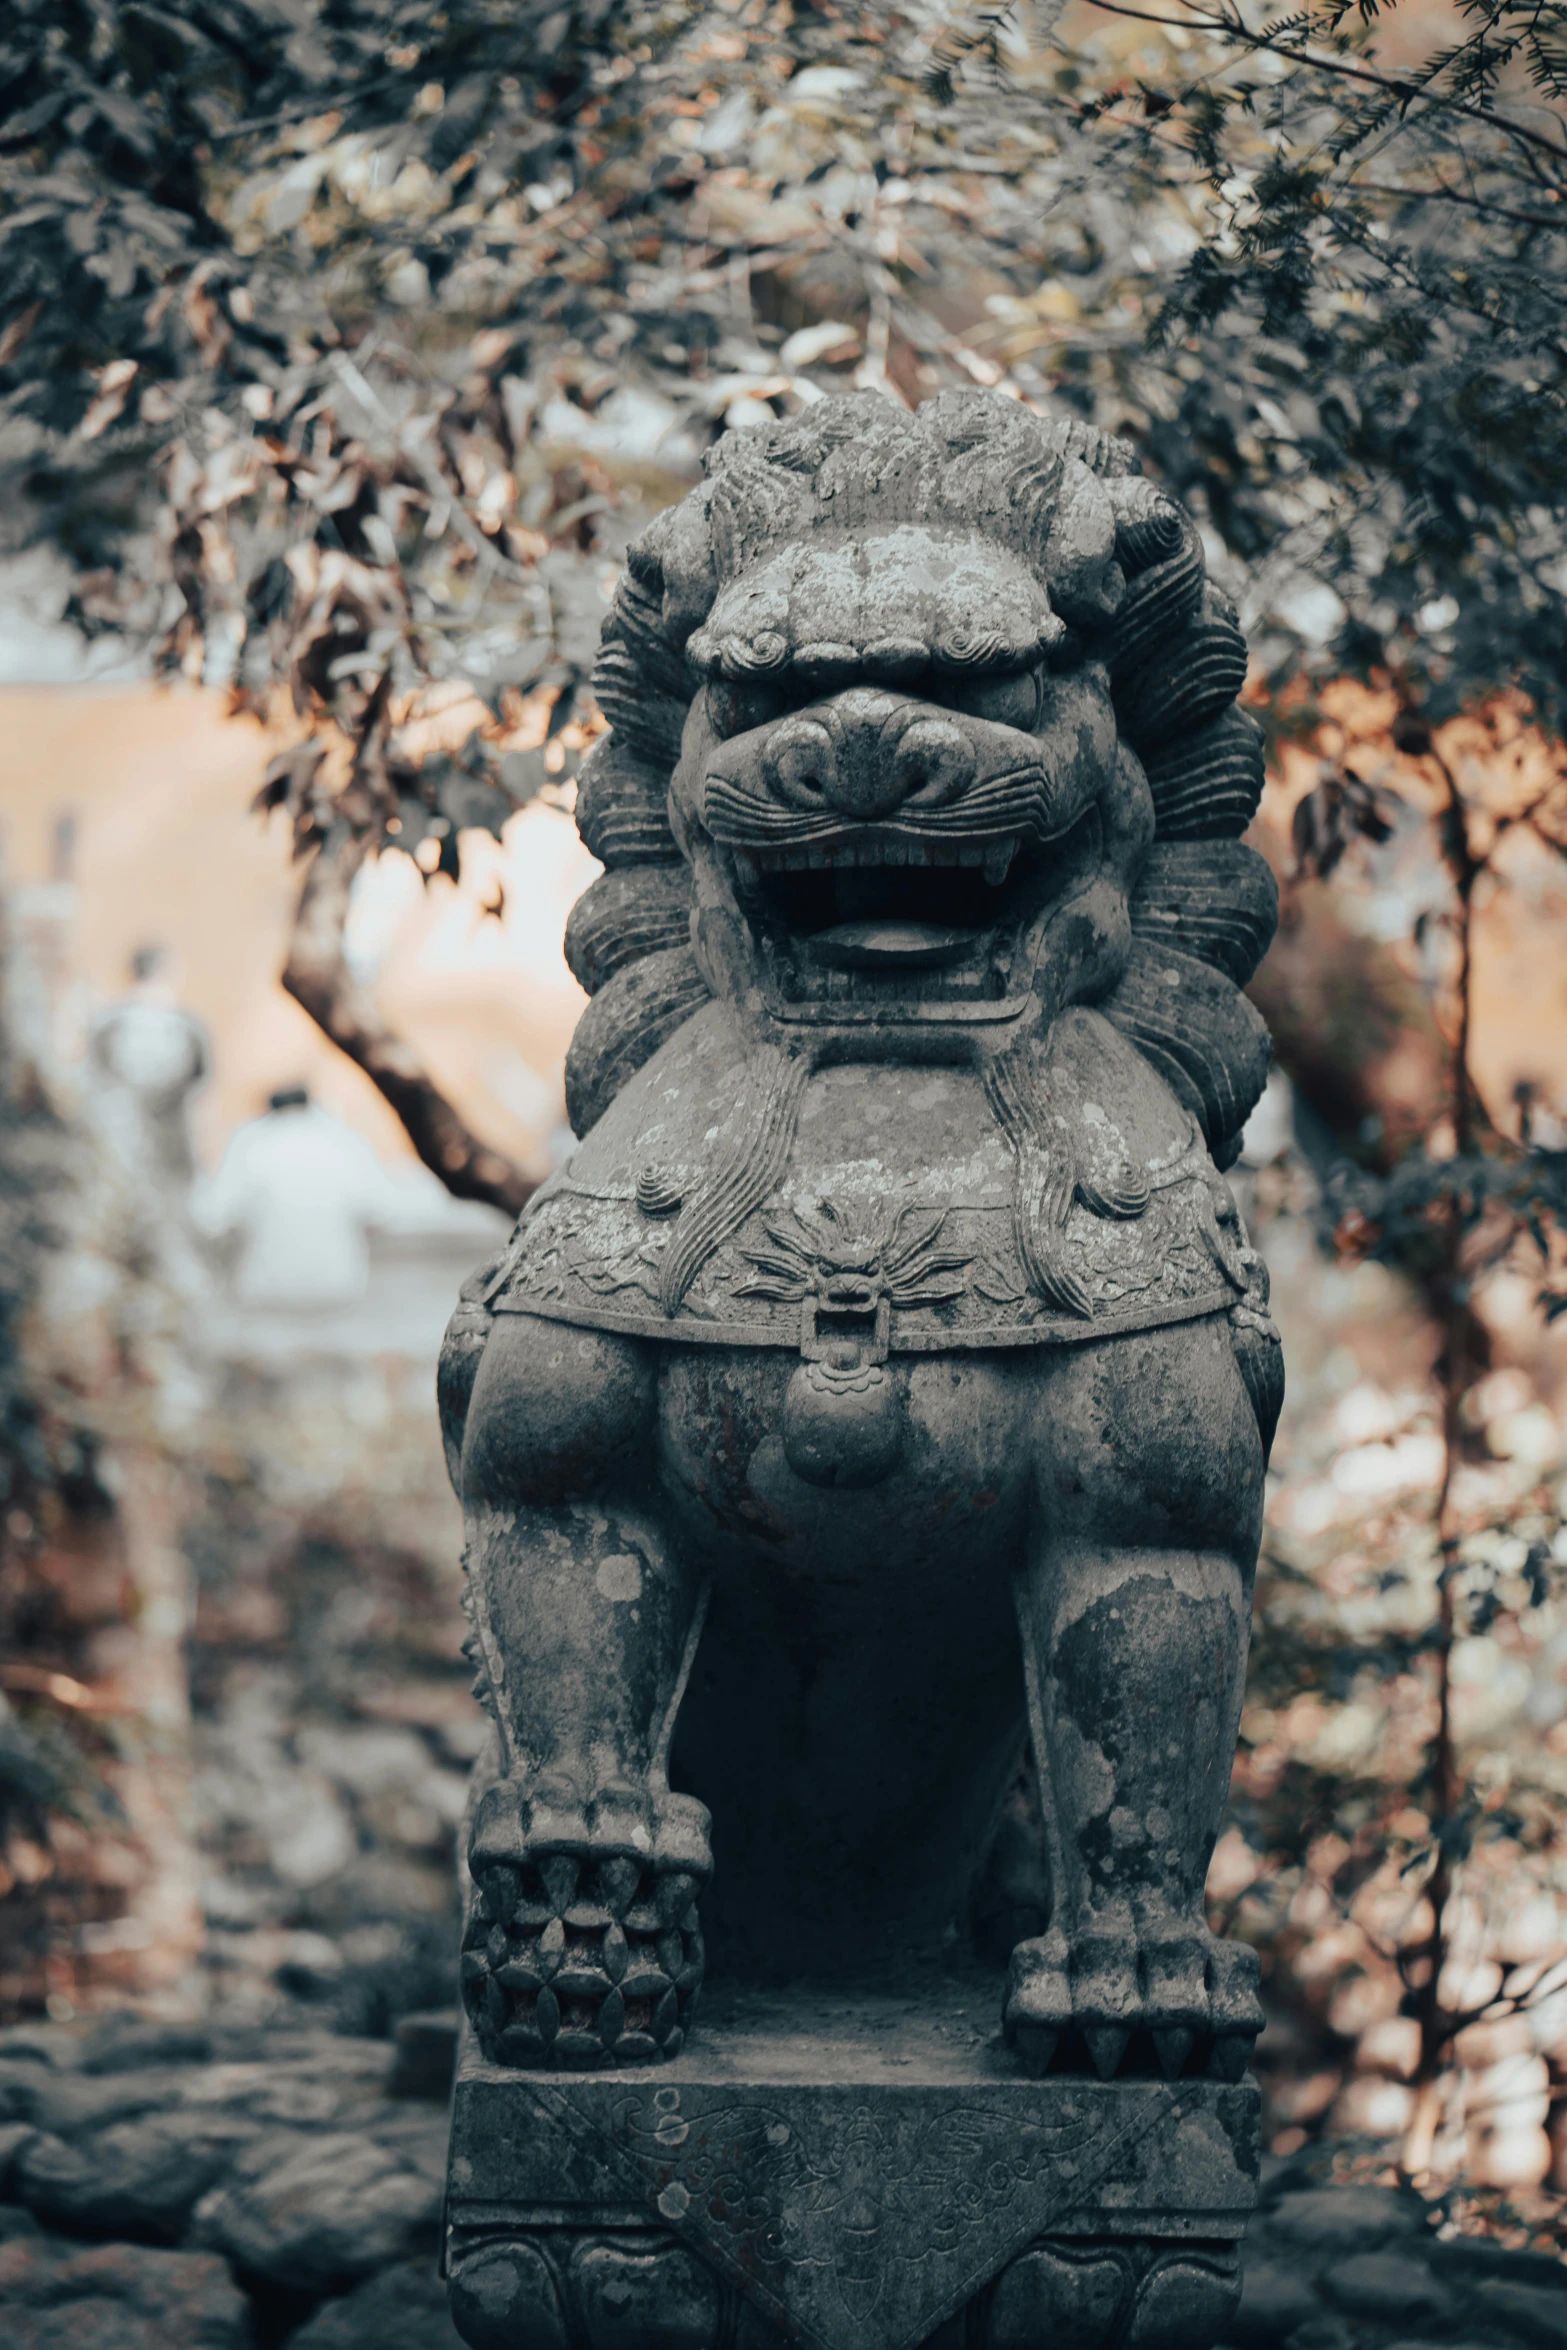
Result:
<point x="243" y="2188"/>
<point x="164" y="2188"/>
<point x="1346" y="2267"/>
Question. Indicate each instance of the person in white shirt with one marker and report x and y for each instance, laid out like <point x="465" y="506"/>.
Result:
<point x="304" y="1192"/>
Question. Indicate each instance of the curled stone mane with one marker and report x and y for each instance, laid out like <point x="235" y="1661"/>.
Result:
<point x="1118" y="576"/>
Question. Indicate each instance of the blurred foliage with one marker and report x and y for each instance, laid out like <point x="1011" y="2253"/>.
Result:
<point x="344" y="343"/>
<point x="35" y="1468"/>
<point x="1401" y="1767"/>
<point x="335" y="335"/>
<point x="56" y="1747"/>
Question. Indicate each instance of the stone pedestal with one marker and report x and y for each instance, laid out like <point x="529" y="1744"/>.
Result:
<point x="866" y="2174"/>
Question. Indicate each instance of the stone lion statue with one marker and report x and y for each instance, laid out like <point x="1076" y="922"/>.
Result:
<point x="881" y="1393"/>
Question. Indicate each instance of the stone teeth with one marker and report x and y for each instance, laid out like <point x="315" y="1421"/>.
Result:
<point x="845" y="855"/>
<point x="745" y="869"/>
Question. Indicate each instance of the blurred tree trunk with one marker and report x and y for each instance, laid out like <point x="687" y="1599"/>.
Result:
<point x="318" y="976"/>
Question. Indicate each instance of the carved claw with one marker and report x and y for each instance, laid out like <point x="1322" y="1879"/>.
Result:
<point x="1233" y="1973"/>
<point x="1231" y="2055"/>
<point x="583" y="1948"/>
<point x="1106" y="2045"/>
<point x="1172" y="2046"/>
<point x="1039" y="2000"/>
<point x="1034" y="2045"/>
<point x="1113" y="1997"/>
<point x="1105" y="1998"/>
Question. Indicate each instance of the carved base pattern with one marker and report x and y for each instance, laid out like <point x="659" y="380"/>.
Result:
<point x="797" y="2180"/>
<point x="1141" y="2294"/>
<point x="639" y="2289"/>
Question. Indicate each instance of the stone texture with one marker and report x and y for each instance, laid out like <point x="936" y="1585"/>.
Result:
<point x="63" y="2102"/>
<point x="127" y="2043"/>
<point x="1385" y="2285"/>
<point x="897" y="1191"/>
<point x="1534" y="2313"/>
<point x="140" y="2179"/>
<point x="15" y="2137"/>
<point x="59" y="2295"/>
<point x="308" y="2177"/>
<point x="886" y="1382"/>
<point x="314" y="2213"/>
<point x="1347" y="2217"/>
<point x="1275" y="2298"/>
<point x="402" y="2308"/>
<point x="1363" y="2268"/>
<point x="849" y="2171"/>
<point x="65" y="2292"/>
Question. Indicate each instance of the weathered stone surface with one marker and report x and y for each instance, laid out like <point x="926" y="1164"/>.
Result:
<point x="887" y="1379"/>
<point x="1326" y="2263"/>
<point x="125" y="2043"/>
<point x="403" y="2308"/>
<point x="1363" y="2268"/>
<point x="507" y="2293"/>
<point x="318" y="2213"/>
<point x="1385" y="2285"/>
<point x="140" y="2178"/>
<point x="1346" y="2218"/>
<point x="15" y="2137"/>
<point x="58" y="2295"/>
<point x="851" y="2171"/>
<point x="1472" y="2258"/>
<point x="64" y="2102"/>
<point x="1534" y="2313"/>
<point x="908" y="1204"/>
<point x="1275" y="2298"/>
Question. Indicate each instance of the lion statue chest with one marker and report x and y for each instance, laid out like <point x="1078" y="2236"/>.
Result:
<point x="808" y="1328"/>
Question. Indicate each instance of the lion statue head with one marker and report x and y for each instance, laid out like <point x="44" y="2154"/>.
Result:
<point x="924" y="728"/>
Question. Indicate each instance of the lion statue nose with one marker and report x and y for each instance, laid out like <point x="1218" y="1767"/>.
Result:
<point x="865" y="753"/>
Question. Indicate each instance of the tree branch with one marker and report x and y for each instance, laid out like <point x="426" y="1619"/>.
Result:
<point x="1227" y="28"/>
<point x="1445" y="195"/>
<point x="317" y="976"/>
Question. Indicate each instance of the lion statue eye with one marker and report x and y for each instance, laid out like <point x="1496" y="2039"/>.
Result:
<point x="735" y="705"/>
<point x="1008" y="697"/>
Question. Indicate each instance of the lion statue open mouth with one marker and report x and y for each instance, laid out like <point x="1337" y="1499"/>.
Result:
<point x="886" y="1380"/>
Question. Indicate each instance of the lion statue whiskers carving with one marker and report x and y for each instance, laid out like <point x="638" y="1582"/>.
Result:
<point x="887" y="1379"/>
